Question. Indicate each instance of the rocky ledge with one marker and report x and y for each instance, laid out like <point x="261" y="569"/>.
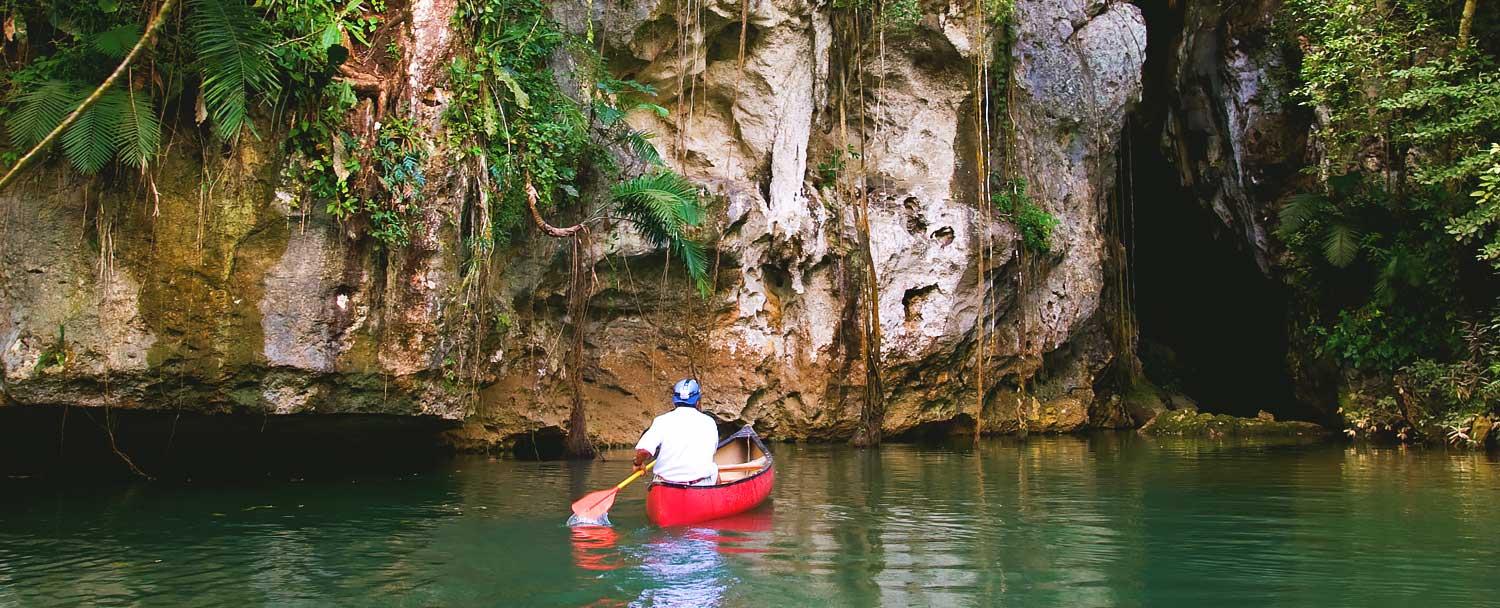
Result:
<point x="1190" y="423"/>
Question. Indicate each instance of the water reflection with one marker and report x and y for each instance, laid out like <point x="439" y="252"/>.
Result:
<point x="1113" y="520"/>
<point x="594" y="548"/>
<point x="682" y="568"/>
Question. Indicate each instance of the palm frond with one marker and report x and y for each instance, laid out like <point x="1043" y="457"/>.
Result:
<point x="696" y="261"/>
<point x="1385" y="280"/>
<point x="139" y="132"/>
<point x="1297" y="212"/>
<point x="233" y="52"/>
<point x="662" y="206"/>
<point x="640" y="144"/>
<point x="1341" y="245"/>
<point x="116" y="42"/>
<point x="39" y="109"/>
<point x="91" y="142"/>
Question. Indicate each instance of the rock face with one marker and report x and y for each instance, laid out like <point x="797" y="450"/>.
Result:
<point x="239" y="296"/>
<point x="1236" y="138"/>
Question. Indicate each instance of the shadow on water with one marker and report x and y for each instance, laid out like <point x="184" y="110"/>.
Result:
<point x="1106" y="520"/>
<point x="94" y="443"/>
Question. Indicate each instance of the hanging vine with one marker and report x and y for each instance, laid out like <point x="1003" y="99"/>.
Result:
<point x="859" y="24"/>
<point x="535" y="148"/>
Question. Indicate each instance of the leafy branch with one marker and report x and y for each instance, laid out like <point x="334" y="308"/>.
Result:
<point x="93" y="98"/>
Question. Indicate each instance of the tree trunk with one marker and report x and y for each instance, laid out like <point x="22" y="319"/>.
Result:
<point x="872" y="415"/>
<point x="1466" y="23"/>
<point x="579" y="292"/>
<point x="580" y="289"/>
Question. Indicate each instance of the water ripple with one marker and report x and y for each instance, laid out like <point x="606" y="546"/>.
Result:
<point x="1046" y="522"/>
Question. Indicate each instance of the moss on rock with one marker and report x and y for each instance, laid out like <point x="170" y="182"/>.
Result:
<point x="1185" y="423"/>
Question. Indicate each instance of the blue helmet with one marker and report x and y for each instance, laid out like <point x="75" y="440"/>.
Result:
<point x="686" y="392"/>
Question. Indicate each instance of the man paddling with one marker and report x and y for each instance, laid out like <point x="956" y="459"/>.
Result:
<point x="682" y="440"/>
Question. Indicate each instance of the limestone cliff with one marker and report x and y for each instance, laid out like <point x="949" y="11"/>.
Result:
<point x="213" y="286"/>
<point x="1235" y="135"/>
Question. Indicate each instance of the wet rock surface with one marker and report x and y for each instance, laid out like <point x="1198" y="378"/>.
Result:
<point x="244" y="298"/>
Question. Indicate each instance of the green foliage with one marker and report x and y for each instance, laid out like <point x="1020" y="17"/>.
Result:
<point x="309" y="43"/>
<point x="139" y="131"/>
<point x="233" y="53"/>
<point x="122" y="125"/>
<point x="39" y="109"/>
<point x="229" y="55"/>
<point x="662" y="206"/>
<point x="509" y="112"/>
<point x="54" y="354"/>
<point x="1481" y="223"/>
<point x="508" y="109"/>
<point x="91" y="141"/>
<point x="900" y="15"/>
<point x="830" y="169"/>
<point x="1378" y="252"/>
<point x="999" y="12"/>
<point x="117" y="41"/>
<point x="1376" y="339"/>
<point x="1341" y="245"/>
<point x="1033" y="222"/>
<point x="1438" y="398"/>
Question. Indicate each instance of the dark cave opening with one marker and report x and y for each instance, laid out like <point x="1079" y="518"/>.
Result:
<point x="1212" y="326"/>
<point x="72" y="442"/>
<point x="543" y="444"/>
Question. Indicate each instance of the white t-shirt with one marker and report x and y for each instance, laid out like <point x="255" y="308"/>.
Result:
<point x="684" y="441"/>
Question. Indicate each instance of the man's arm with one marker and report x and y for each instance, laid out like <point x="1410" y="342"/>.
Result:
<point x="647" y="446"/>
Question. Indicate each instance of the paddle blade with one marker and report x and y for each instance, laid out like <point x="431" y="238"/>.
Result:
<point x="594" y="507"/>
<point x="575" y="521"/>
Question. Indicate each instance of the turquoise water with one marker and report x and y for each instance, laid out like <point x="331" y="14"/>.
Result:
<point x="1108" y="520"/>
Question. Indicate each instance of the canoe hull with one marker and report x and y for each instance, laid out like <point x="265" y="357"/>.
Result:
<point x="675" y="505"/>
<point x="739" y="490"/>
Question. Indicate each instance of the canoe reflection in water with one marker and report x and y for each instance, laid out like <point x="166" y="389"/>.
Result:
<point x="594" y="548"/>
<point x="686" y="566"/>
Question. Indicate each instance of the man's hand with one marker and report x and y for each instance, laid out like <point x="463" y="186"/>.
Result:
<point x="641" y="456"/>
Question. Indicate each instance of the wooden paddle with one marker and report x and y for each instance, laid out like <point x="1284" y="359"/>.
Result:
<point x="595" y="505"/>
<point x="744" y="466"/>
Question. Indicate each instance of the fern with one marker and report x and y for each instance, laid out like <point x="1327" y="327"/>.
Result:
<point x="234" y="54"/>
<point x="1298" y="211"/>
<point x="662" y="206"/>
<point x="139" y="132"/>
<point x="1341" y="245"/>
<point x="92" y="141"/>
<point x="40" y="109"/>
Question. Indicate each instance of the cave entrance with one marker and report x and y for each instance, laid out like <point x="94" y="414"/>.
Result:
<point x="1212" y="325"/>
<point x="87" y="442"/>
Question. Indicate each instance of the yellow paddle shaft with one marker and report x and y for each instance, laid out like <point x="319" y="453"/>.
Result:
<point x="635" y="475"/>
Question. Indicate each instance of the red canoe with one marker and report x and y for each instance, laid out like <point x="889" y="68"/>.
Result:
<point x="746" y="474"/>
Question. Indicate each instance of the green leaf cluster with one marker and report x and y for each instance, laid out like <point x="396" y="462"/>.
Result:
<point x="122" y="125"/>
<point x="526" y="124"/>
<point x="1394" y="248"/>
<point x="1035" y="224"/>
<point x="219" y="45"/>
<point x="662" y="206"/>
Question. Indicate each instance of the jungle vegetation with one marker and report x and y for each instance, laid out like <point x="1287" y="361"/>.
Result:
<point x="1394" y="248"/>
<point x="107" y="84"/>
